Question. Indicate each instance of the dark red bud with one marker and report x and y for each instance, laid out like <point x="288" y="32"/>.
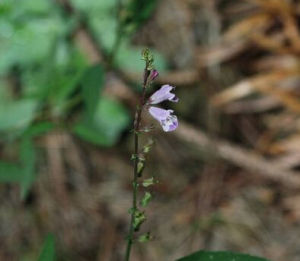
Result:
<point x="154" y="74"/>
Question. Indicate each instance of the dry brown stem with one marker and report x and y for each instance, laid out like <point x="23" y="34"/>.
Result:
<point x="238" y="156"/>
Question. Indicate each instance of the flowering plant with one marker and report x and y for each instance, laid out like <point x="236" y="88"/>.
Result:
<point x="168" y="122"/>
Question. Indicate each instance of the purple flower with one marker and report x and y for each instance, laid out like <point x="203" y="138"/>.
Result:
<point x="164" y="93"/>
<point x="167" y="120"/>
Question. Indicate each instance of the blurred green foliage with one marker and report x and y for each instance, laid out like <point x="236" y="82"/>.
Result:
<point x="48" y="250"/>
<point x="17" y="114"/>
<point x="220" y="256"/>
<point x="104" y="19"/>
<point x="137" y="12"/>
<point x="46" y="83"/>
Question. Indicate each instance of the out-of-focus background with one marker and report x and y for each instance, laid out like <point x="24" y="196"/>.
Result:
<point x="70" y="75"/>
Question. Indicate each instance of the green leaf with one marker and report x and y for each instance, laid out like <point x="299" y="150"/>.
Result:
<point x="10" y="172"/>
<point x="105" y="28"/>
<point x="102" y="6"/>
<point x="35" y="7"/>
<point x="220" y="256"/>
<point x="17" y="114"/>
<point x="146" y="199"/>
<point x="23" y="173"/>
<point x="29" y="41"/>
<point x="27" y="158"/>
<point x="140" y="167"/>
<point x="148" y="146"/>
<point x="90" y="133"/>
<point x="144" y="238"/>
<point x="64" y="85"/>
<point x="139" y="219"/>
<point x="92" y="83"/>
<point x="109" y="120"/>
<point x="48" y="250"/>
<point x="137" y="12"/>
<point x="148" y="182"/>
<point x="39" y="129"/>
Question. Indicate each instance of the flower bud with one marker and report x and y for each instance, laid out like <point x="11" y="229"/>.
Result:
<point x="154" y="74"/>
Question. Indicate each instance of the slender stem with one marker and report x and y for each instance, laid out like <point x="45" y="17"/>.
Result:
<point x="134" y="200"/>
<point x="137" y="122"/>
<point x="119" y="34"/>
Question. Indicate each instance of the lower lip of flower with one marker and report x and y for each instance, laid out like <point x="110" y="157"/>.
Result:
<point x="170" y="123"/>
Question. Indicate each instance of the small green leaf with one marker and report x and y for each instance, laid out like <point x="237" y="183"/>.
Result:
<point x="139" y="219"/>
<point x="140" y="167"/>
<point x="148" y="146"/>
<point x="134" y="156"/>
<point x="48" y="250"/>
<point x="146" y="199"/>
<point x="148" y="182"/>
<point x="145" y="237"/>
<point x="220" y="256"/>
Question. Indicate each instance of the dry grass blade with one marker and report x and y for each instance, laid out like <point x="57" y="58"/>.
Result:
<point x="288" y="161"/>
<point x="274" y="43"/>
<point x="266" y="83"/>
<point x="275" y="62"/>
<point x="234" y="40"/>
<point x="288" y="144"/>
<point x="286" y="12"/>
<point x="245" y="28"/>
<point x="257" y="105"/>
<point x="239" y="156"/>
<point x="220" y="53"/>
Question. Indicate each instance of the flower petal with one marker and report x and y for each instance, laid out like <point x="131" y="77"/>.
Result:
<point x="159" y="114"/>
<point x="168" y="121"/>
<point x="170" y="124"/>
<point x="164" y="93"/>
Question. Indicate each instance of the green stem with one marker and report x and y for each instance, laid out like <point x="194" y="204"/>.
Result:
<point x="134" y="198"/>
<point x="116" y="45"/>
<point x="119" y="34"/>
<point x="137" y="123"/>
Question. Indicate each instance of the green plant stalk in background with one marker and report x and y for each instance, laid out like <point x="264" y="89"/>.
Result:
<point x="134" y="223"/>
<point x="119" y="33"/>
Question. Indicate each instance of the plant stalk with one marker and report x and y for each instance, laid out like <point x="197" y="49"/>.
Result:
<point x="137" y="123"/>
<point x="119" y="34"/>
